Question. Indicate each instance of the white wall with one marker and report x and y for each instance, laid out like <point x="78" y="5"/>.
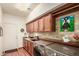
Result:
<point x="41" y="9"/>
<point x="19" y="22"/>
<point x="0" y="15"/>
<point x="0" y="25"/>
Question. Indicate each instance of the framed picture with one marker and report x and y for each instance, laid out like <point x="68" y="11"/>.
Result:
<point x="1" y="31"/>
<point x="67" y="24"/>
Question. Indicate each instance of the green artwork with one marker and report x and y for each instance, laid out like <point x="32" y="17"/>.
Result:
<point x="67" y="24"/>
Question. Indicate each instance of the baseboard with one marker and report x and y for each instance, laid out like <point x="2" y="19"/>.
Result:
<point x="7" y="51"/>
<point x="20" y="48"/>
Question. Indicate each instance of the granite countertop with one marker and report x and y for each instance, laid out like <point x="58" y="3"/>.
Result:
<point x="65" y="49"/>
<point x="68" y="50"/>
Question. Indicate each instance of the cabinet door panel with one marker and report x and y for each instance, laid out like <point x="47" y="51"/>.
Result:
<point x="41" y="25"/>
<point x="31" y="48"/>
<point x="24" y="43"/>
<point x="28" y="46"/>
<point x="32" y="27"/>
<point x="36" y="26"/>
<point x="27" y="28"/>
<point x="48" y="23"/>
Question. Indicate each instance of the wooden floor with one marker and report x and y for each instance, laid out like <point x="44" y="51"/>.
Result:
<point x="18" y="52"/>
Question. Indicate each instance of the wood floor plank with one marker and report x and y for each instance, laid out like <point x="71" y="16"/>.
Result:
<point x="18" y="52"/>
<point x="23" y="52"/>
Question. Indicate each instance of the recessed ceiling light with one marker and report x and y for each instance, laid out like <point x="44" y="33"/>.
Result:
<point x="23" y="6"/>
<point x="29" y="8"/>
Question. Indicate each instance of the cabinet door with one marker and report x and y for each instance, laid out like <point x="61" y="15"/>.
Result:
<point x="31" y="48"/>
<point x="28" y="47"/>
<point x="27" y="28"/>
<point x="36" y="26"/>
<point x="32" y="27"/>
<point x="41" y="25"/>
<point x="48" y="23"/>
<point x="24" y="43"/>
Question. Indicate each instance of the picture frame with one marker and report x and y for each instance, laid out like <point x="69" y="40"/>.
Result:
<point x="67" y="24"/>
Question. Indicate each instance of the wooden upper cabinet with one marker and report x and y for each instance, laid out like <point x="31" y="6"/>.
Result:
<point x="36" y="26"/>
<point x="44" y="24"/>
<point x="41" y="25"/>
<point x="48" y="23"/>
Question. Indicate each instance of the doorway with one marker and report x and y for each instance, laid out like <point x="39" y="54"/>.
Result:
<point x="10" y="37"/>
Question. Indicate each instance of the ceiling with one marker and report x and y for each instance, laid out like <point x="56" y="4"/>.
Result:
<point x="18" y="9"/>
